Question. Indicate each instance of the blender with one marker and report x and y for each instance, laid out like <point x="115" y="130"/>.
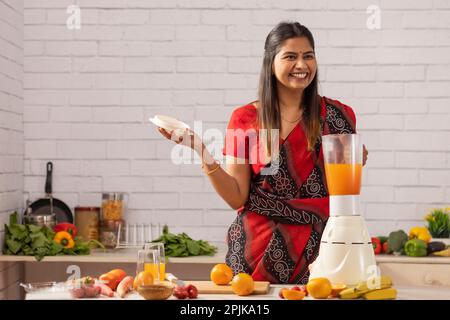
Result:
<point x="346" y="252"/>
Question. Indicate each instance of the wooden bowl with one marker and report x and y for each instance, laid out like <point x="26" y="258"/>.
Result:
<point x="160" y="291"/>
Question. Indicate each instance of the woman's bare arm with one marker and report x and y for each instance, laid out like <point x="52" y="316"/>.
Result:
<point x="232" y="184"/>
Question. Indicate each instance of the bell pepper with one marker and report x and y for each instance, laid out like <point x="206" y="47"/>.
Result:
<point x="65" y="239"/>
<point x="416" y="248"/>
<point x="376" y="243"/>
<point x="421" y="233"/>
<point x="68" y="227"/>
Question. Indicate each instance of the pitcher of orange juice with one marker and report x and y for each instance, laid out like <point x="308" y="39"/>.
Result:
<point x="158" y="246"/>
<point x="148" y="260"/>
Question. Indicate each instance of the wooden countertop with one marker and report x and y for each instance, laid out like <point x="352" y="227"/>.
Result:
<point x="129" y="256"/>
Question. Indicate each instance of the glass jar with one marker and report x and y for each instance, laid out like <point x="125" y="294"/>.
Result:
<point x="109" y="232"/>
<point x="87" y="222"/>
<point x="113" y="205"/>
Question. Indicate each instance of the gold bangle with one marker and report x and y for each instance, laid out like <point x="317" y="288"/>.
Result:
<point x="213" y="170"/>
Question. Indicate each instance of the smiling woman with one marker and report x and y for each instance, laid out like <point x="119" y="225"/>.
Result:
<point x="281" y="210"/>
<point x="290" y="68"/>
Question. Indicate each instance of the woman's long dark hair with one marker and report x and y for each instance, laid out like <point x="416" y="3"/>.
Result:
<point x="269" y="111"/>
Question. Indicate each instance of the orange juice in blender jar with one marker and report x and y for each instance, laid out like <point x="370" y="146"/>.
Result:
<point x="343" y="163"/>
<point x="343" y="178"/>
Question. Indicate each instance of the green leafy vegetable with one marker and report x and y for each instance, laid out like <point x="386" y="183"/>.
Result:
<point x="32" y="240"/>
<point x="181" y="245"/>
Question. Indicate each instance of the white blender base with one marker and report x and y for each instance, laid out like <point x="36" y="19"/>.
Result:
<point x="346" y="252"/>
<point x="344" y="263"/>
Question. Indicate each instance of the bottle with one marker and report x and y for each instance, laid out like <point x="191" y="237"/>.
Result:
<point x="87" y="222"/>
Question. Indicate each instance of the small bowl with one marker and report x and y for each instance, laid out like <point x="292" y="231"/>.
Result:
<point x="161" y="291"/>
<point x="50" y="287"/>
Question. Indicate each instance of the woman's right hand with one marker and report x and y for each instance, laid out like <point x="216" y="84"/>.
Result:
<point x="189" y="139"/>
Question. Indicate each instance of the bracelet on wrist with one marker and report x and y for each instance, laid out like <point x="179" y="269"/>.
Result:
<point x="213" y="170"/>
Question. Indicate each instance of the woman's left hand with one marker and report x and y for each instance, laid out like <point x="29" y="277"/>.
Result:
<point x="365" y="155"/>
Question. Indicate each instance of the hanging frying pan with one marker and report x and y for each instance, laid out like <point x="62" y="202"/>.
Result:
<point x="50" y="205"/>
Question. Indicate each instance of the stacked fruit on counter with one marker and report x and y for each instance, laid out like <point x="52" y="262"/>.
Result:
<point x="221" y="274"/>
<point x="415" y="244"/>
<point x="117" y="283"/>
<point x="242" y="284"/>
<point x="376" y="288"/>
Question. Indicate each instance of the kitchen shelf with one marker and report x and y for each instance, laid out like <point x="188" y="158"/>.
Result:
<point x="126" y="255"/>
<point x="129" y="256"/>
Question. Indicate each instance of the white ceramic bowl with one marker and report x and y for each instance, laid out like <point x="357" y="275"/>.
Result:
<point x="169" y="124"/>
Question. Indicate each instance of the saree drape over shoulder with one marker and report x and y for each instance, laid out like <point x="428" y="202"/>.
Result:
<point x="276" y="234"/>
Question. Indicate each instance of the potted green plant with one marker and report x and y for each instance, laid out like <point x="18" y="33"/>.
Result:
<point x="439" y="224"/>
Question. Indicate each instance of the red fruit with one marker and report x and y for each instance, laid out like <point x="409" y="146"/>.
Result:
<point x="297" y="288"/>
<point x="192" y="291"/>
<point x="180" y="292"/>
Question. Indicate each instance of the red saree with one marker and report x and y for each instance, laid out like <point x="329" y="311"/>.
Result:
<point x="276" y="234"/>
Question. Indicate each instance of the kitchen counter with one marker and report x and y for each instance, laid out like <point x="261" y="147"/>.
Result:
<point x="129" y="256"/>
<point x="404" y="293"/>
<point x="405" y="271"/>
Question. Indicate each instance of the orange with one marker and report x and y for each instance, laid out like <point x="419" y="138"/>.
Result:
<point x="293" y="294"/>
<point x="144" y="278"/>
<point x="319" y="288"/>
<point x="280" y="293"/>
<point x="221" y="274"/>
<point x="242" y="284"/>
<point x="336" y="288"/>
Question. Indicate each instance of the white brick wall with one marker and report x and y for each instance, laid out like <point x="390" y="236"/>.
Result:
<point x="11" y="131"/>
<point x="89" y="92"/>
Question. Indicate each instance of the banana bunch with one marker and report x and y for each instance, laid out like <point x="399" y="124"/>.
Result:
<point x="377" y="288"/>
<point x="443" y="253"/>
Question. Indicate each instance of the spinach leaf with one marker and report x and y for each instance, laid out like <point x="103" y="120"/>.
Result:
<point x="13" y="245"/>
<point x="181" y="245"/>
<point x="193" y="247"/>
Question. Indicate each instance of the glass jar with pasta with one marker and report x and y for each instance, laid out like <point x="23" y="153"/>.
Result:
<point x="113" y="205"/>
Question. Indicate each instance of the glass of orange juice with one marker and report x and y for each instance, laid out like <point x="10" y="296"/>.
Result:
<point x="159" y="246"/>
<point x="148" y="260"/>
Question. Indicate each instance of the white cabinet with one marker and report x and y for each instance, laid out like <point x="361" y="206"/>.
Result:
<point x="429" y="271"/>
